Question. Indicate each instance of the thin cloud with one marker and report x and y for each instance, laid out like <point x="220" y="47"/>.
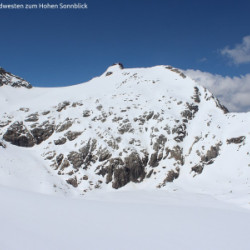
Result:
<point x="233" y="92"/>
<point x="203" y="59"/>
<point x="240" y="54"/>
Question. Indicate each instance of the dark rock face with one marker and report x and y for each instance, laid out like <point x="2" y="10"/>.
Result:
<point x="42" y="132"/>
<point x="7" y="78"/>
<point x="76" y="159"/>
<point x="190" y="111"/>
<point x="64" y="126"/>
<point x="84" y="157"/>
<point x="109" y="73"/>
<point x="32" y="118"/>
<point x="211" y="154"/>
<point x="72" y="135"/>
<point x="115" y="163"/>
<point x="136" y="168"/>
<point x="59" y="159"/>
<point x="207" y="159"/>
<point x="62" y="106"/>
<point x="198" y="168"/>
<point x="125" y="128"/>
<point x="4" y="123"/>
<point x="104" y="155"/>
<point x="153" y="162"/>
<point x="197" y="94"/>
<point x="172" y="175"/>
<point x="177" y="154"/>
<point x="86" y="113"/>
<point x="60" y="141"/>
<point x="17" y="134"/>
<point x="121" y="177"/>
<point x="180" y="130"/>
<point x="87" y="153"/>
<point x="119" y="64"/>
<point x="176" y="71"/>
<point x="64" y="164"/>
<point x="158" y="147"/>
<point x="73" y="182"/>
<point x="45" y="112"/>
<point x="236" y="140"/>
<point x="132" y="169"/>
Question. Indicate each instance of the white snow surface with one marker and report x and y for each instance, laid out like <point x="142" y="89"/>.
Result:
<point x="40" y="210"/>
<point x="121" y="220"/>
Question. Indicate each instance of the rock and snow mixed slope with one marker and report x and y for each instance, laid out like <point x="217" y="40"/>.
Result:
<point x="9" y="79"/>
<point x="143" y="128"/>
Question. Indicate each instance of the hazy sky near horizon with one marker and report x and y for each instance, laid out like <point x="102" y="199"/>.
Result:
<point x="65" y="47"/>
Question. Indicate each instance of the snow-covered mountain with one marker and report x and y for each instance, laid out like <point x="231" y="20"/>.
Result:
<point x="141" y="128"/>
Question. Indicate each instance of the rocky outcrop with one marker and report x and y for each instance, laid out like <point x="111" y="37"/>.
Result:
<point x="64" y="125"/>
<point x="9" y="79"/>
<point x="60" y="141"/>
<point x="172" y="175"/>
<point x="109" y="73"/>
<point x="207" y="159"/>
<point x="32" y="118"/>
<point x="17" y="134"/>
<point x="4" y="123"/>
<point x="76" y="159"/>
<point x="59" y="159"/>
<point x="190" y="111"/>
<point x="197" y="95"/>
<point x="125" y="128"/>
<point x="176" y="71"/>
<point x="62" y="105"/>
<point x="104" y="155"/>
<point x="176" y="153"/>
<point x="236" y="140"/>
<point x="180" y="130"/>
<point x="73" y="182"/>
<point x="121" y="172"/>
<point x="42" y="132"/>
<point x="158" y="147"/>
<point x="72" y="135"/>
<point x="86" y="113"/>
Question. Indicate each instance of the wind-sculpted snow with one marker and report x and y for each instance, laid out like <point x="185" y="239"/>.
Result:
<point x="150" y="127"/>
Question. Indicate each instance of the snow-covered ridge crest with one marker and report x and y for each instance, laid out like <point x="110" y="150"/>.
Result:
<point x="141" y="127"/>
<point x="7" y="78"/>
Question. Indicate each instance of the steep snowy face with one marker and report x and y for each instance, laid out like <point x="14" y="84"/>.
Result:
<point x="7" y="78"/>
<point x="145" y="127"/>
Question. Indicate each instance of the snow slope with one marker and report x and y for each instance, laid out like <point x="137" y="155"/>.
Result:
<point x="121" y="220"/>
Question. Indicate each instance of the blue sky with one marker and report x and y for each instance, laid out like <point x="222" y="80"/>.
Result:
<point x="65" y="47"/>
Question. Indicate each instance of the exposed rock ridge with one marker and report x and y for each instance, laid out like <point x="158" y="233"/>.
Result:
<point x="9" y="79"/>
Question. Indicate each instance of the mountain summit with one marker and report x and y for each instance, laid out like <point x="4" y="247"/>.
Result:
<point x="134" y="128"/>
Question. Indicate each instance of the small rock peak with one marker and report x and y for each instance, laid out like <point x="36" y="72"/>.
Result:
<point x="120" y="65"/>
<point x="113" y="68"/>
<point x="7" y="78"/>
